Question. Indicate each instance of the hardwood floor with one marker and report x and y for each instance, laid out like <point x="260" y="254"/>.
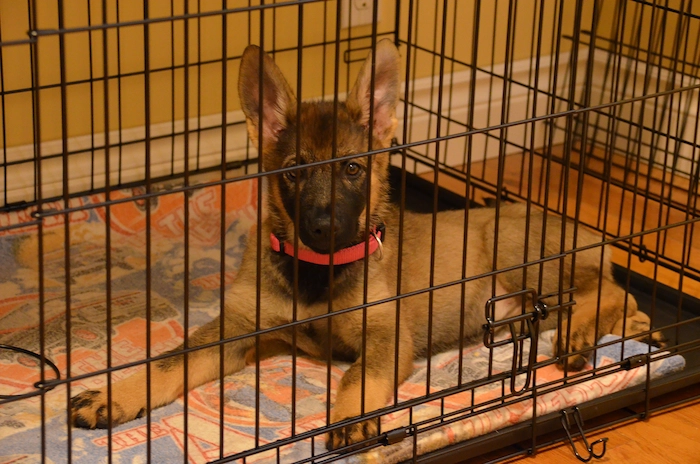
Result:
<point x="668" y="437"/>
<point x="671" y="436"/>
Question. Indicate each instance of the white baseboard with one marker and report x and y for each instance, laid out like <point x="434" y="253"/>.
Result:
<point x="654" y="114"/>
<point x="487" y="111"/>
<point x="166" y="154"/>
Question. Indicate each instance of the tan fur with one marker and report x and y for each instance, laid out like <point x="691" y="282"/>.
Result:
<point x="347" y="329"/>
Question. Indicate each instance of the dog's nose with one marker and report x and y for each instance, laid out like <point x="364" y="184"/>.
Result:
<point x="321" y="228"/>
<point x="316" y="231"/>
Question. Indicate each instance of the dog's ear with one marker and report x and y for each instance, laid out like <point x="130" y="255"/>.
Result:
<point x="278" y="103"/>
<point x="386" y="93"/>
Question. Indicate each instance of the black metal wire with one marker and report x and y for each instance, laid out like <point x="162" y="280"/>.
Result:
<point x="38" y="178"/>
<point x="186" y="211"/>
<point x="66" y="226"/>
<point x="108" y="228"/>
<point x="40" y="389"/>
<point x="149" y="222"/>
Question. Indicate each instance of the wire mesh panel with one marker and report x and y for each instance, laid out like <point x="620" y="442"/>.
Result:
<point x="246" y="232"/>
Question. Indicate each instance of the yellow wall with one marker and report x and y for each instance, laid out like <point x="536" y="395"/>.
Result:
<point x="493" y="25"/>
<point x="660" y="31"/>
<point x="166" y="47"/>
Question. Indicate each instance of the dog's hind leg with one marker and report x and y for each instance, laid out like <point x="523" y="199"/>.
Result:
<point x="636" y="322"/>
<point x="591" y="312"/>
<point x="167" y="377"/>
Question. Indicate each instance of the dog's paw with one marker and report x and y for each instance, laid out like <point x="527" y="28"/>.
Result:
<point x="578" y="353"/>
<point x="89" y="411"/>
<point x="352" y="436"/>
<point x="657" y="340"/>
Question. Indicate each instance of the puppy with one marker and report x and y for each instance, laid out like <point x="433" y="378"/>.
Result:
<point x="340" y="211"/>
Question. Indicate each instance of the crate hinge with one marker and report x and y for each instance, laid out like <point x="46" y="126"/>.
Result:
<point x="396" y="435"/>
<point x="567" y="425"/>
<point x="635" y="361"/>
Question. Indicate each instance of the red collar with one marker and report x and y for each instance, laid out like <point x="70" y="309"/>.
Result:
<point x="344" y="256"/>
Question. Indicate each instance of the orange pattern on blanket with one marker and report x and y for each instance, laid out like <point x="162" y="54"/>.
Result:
<point x="167" y="211"/>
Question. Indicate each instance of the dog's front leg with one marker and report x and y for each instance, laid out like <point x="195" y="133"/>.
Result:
<point x="167" y="377"/>
<point x="380" y="371"/>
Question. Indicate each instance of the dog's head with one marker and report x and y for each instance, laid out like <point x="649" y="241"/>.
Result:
<point x="373" y="99"/>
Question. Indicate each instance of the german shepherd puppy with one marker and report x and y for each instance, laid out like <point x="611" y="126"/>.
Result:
<point x="361" y="190"/>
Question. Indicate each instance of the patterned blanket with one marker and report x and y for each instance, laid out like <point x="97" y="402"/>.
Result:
<point x="20" y="421"/>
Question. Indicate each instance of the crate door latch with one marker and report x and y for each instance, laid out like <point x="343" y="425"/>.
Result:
<point x="567" y="424"/>
<point x="522" y="327"/>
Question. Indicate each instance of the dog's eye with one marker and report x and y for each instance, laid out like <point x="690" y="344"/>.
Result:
<point x="290" y="175"/>
<point x="352" y="169"/>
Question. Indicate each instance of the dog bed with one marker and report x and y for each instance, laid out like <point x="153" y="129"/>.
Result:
<point x="21" y="420"/>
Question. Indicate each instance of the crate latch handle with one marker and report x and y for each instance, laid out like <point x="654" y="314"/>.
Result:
<point x="531" y="319"/>
<point x="566" y="423"/>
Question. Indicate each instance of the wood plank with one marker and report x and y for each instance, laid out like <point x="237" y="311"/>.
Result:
<point x="670" y="437"/>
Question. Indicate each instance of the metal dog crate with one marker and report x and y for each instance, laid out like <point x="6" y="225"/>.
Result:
<point x="585" y="109"/>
